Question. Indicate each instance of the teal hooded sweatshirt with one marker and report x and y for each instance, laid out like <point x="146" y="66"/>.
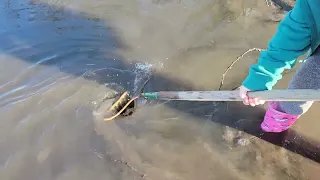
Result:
<point x="297" y="34"/>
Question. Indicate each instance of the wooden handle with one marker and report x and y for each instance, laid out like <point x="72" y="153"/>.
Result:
<point x="271" y="95"/>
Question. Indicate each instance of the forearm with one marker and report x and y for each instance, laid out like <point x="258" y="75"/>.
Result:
<point x="291" y="40"/>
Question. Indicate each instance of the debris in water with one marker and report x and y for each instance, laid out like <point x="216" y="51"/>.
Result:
<point x="228" y="135"/>
<point x="241" y="141"/>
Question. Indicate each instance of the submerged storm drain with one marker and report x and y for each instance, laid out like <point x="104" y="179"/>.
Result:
<point x="123" y="105"/>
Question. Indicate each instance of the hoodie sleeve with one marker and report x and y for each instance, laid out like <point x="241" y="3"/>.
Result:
<point x="292" y="39"/>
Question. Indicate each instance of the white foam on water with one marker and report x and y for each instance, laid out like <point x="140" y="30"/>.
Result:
<point x="145" y="67"/>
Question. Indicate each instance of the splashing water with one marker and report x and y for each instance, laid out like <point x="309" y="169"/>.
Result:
<point x="143" y="72"/>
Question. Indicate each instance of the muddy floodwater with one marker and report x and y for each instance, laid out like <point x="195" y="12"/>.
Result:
<point x="62" y="61"/>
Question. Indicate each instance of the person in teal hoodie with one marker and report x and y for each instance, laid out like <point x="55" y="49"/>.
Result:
<point x="297" y="34"/>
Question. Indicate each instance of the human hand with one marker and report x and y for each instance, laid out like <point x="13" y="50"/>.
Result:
<point x="243" y="92"/>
